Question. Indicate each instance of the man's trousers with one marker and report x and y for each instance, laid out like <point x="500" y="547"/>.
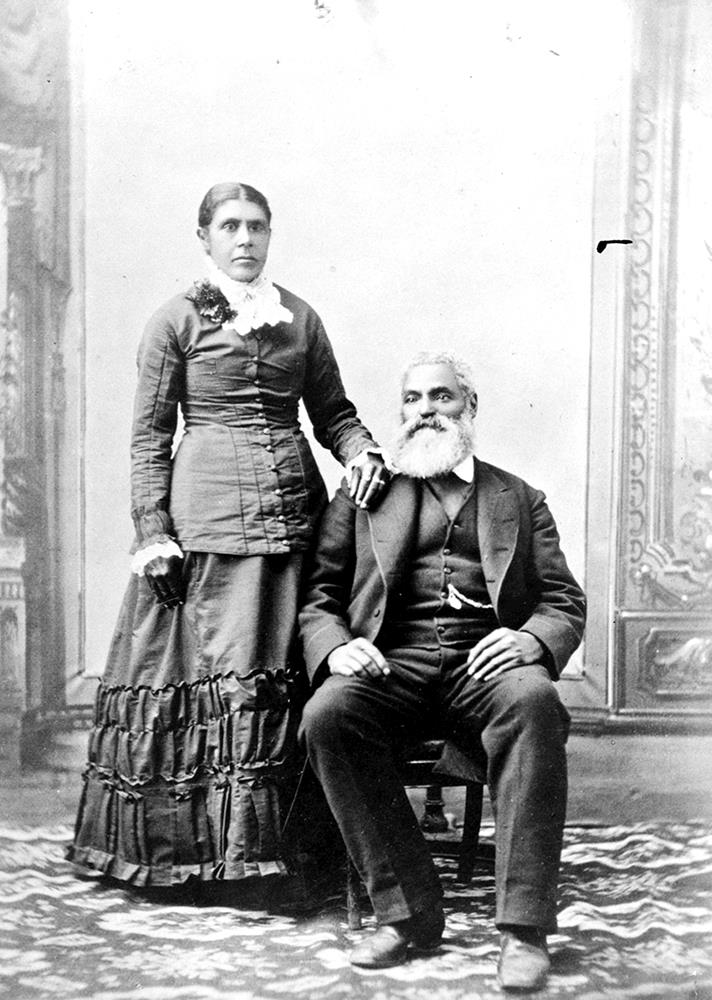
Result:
<point x="356" y="727"/>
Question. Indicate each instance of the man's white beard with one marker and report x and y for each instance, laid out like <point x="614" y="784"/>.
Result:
<point x="433" y="446"/>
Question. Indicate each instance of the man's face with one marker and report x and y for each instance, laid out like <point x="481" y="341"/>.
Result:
<point x="437" y="430"/>
<point x="237" y="239"/>
<point x="432" y="389"/>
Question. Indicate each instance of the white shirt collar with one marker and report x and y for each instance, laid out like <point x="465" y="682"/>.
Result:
<point x="466" y="469"/>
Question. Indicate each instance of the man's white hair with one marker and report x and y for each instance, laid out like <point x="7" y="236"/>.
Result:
<point x="460" y="369"/>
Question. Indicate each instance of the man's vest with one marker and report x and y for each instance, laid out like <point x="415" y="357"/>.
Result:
<point x="443" y="598"/>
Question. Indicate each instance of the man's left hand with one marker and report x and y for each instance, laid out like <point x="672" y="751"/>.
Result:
<point x="368" y="480"/>
<point x="501" y="650"/>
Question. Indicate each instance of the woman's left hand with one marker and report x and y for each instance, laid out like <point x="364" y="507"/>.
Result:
<point x="368" y="480"/>
<point x="164" y="577"/>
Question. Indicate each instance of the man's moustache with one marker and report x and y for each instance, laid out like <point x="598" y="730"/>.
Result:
<point x="433" y="423"/>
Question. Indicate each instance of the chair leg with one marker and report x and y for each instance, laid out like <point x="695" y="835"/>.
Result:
<point x="353" y="896"/>
<point x="470" y="832"/>
<point x="433" y="819"/>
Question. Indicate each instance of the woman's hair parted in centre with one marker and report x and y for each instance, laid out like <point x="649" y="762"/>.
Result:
<point x="460" y="369"/>
<point x="230" y="191"/>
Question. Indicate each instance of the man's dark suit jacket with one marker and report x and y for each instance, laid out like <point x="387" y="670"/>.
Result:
<point x="361" y="558"/>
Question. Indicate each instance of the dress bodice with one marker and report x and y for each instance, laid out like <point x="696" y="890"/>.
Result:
<point x="243" y="480"/>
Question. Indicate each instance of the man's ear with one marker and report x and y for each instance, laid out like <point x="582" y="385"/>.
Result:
<point x="473" y="404"/>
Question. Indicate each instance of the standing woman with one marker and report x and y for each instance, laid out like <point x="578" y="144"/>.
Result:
<point x="192" y="747"/>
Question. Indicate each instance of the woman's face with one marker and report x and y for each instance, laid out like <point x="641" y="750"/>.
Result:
<point x="237" y="239"/>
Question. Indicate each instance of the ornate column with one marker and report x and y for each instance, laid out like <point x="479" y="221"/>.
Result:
<point x="664" y="593"/>
<point x="22" y="505"/>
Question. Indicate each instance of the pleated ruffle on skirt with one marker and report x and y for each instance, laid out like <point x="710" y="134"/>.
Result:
<point x="194" y="776"/>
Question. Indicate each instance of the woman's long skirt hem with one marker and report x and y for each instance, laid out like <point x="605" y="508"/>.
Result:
<point x="164" y="836"/>
<point x="144" y="877"/>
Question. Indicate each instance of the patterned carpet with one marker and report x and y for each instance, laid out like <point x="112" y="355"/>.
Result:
<point x="635" y="924"/>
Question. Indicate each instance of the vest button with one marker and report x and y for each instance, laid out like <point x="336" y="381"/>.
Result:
<point x="446" y="552"/>
<point x="376" y="613"/>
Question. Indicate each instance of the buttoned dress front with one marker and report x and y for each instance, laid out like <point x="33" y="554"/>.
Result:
<point x="192" y="747"/>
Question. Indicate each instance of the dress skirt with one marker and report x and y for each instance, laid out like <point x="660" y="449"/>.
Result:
<point x="192" y="752"/>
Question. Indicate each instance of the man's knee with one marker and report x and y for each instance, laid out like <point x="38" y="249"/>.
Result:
<point x="325" y="713"/>
<point x="531" y="696"/>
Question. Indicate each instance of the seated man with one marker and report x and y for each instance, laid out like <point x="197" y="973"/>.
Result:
<point x="450" y="609"/>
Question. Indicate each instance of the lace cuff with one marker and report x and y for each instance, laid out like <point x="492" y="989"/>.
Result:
<point x="166" y="549"/>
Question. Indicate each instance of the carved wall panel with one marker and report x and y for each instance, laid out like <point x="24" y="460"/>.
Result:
<point x="34" y="167"/>
<point x="665" y="574"/>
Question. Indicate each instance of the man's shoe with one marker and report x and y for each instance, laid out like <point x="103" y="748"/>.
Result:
<point x="389" y="945"/>
<point x="523" y="960"/>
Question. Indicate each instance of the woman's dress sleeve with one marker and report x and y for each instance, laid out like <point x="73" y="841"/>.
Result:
<point x="158" y="394"/>
<point x="332" y="414"/>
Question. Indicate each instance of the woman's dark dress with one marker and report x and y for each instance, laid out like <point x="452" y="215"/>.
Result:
<point x="192" y="748"/>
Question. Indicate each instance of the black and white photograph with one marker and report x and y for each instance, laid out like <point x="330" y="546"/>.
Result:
<point x="355" y="500"/>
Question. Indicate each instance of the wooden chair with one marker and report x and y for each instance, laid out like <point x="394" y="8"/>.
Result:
<point x="417" y="770"/>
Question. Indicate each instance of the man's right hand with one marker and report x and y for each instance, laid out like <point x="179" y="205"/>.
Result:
<point x="358" y="658"/>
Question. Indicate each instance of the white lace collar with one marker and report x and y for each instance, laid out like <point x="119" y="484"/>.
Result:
<point x="256" y="303"/>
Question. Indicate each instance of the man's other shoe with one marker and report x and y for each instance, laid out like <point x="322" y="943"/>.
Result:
<point x="389" y="945"/>
<point x="523" y="960"/>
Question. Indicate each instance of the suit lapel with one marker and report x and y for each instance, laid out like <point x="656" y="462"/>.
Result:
<point x="393" y="524"/>
<point x="497" y="526"/>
